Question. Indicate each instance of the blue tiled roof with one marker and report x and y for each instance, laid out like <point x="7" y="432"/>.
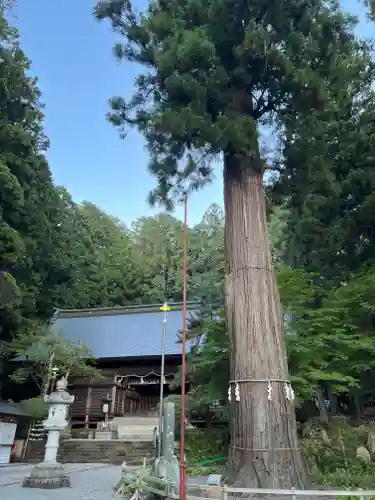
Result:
<point x="123" y="332"/>
<point x="7" y="408"/>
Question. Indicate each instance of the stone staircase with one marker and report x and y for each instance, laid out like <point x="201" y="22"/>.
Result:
<point x="134" y="442"/>
<point x="111" y="452"/>
<point x="136" y="428"/>
<point x="93" y="451"/>
<point x="37" y="432"/>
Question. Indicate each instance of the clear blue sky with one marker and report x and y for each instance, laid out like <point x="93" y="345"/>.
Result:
<point x="71" y="55"/>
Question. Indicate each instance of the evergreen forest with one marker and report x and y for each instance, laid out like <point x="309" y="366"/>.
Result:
<point x="284" y="273"/>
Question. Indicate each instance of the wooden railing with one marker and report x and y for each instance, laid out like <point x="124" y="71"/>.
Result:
<point x="294" y="493"/>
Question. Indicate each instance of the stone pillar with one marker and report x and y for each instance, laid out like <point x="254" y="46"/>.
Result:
<point x="167" y="466"/>
<point x="168" y="438"/>
<point x="50" y="474"/>
<point x="52" y="445"/>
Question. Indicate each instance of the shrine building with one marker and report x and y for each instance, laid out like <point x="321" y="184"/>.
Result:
<point x="127" y="345"/>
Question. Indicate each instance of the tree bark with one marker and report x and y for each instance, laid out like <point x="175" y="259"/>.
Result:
<point x="333" y="400"/>
<point x="323" y="412"/>
<point x="264" y="448"/>
<point x="355" y="407"/>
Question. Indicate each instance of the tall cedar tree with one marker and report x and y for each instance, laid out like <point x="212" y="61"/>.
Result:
<point x="215" y="70"/>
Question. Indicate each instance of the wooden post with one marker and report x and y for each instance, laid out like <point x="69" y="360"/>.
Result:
<point x="113" y="397"/>
<point x="24" y="451"/>
<point x="123" y="402"/>
<point x="88" y="406"/>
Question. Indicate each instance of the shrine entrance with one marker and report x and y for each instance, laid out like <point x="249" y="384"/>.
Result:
<point x="140" y="396"/>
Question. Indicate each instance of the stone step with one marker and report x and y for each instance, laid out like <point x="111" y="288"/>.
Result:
<point x="135" y="426"/>
<point x="135" y="432"/>
<point x="138" y="428"/>
<point x="125" y="433"/>
<point x="103" y="436"/>
<point x="96" y="451"/>
<point x="147" y="421"/>
<point x="114" y="452"/>
<point x="140" y="439"/>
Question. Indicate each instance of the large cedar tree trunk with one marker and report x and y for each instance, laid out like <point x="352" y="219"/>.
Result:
<point x="264" y="447"/>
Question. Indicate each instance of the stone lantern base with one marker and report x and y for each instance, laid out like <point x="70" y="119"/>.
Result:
<point x="47" y="476"/>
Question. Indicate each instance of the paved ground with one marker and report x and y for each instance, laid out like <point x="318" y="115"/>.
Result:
<point x="89" y="482"/>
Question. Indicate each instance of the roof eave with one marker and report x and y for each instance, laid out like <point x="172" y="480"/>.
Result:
<point x="109" y="311"/>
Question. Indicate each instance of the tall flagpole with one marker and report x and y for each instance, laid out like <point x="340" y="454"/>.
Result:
<point x="183" y="367"/>
<point x="164" y="308"/>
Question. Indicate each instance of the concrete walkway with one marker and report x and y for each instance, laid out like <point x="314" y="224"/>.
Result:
<point x="89" y="482"/>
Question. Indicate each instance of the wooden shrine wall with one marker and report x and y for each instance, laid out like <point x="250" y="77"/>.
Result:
<point x="89" y="395"/>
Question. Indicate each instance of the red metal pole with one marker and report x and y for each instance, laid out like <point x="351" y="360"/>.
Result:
<point x="183" y="367"/>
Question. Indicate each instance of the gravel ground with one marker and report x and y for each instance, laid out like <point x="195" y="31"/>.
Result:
<point x="94" y="484"/>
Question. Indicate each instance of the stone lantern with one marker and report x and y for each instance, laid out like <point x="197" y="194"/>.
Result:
<point x="50" y="474"/>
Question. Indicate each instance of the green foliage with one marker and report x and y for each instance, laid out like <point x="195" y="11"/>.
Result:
<point x="276" y="229"/>
<point x="205" y="90"/>
<point x="206" y="444"/>
<point x="103" y="264"/>
<point x="205" y="470"/>
<point x="208" y="367"/>
<point x="28" y="200"/>
<point x="325" y="249"/>
<point x="330" y="344"/>
<point x="141" y="484"/>
<point x="35" y="407"/>
<point x="133" y="487"/>
<point x="329" y="331"/>
<point x="331" y="458"/>
<point x="9" y="291"/>
<point x="212" y="74"/>
<point x="47" y="355"/>
<point x="158" y="253"/>
<point x="327" y="181"/>
<point x="58" y="254"/>
<point x="207" y="371"/>
<point x="206" y="259"/>
<point x="370" y="8"/>
<point x="158" y="247"/>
